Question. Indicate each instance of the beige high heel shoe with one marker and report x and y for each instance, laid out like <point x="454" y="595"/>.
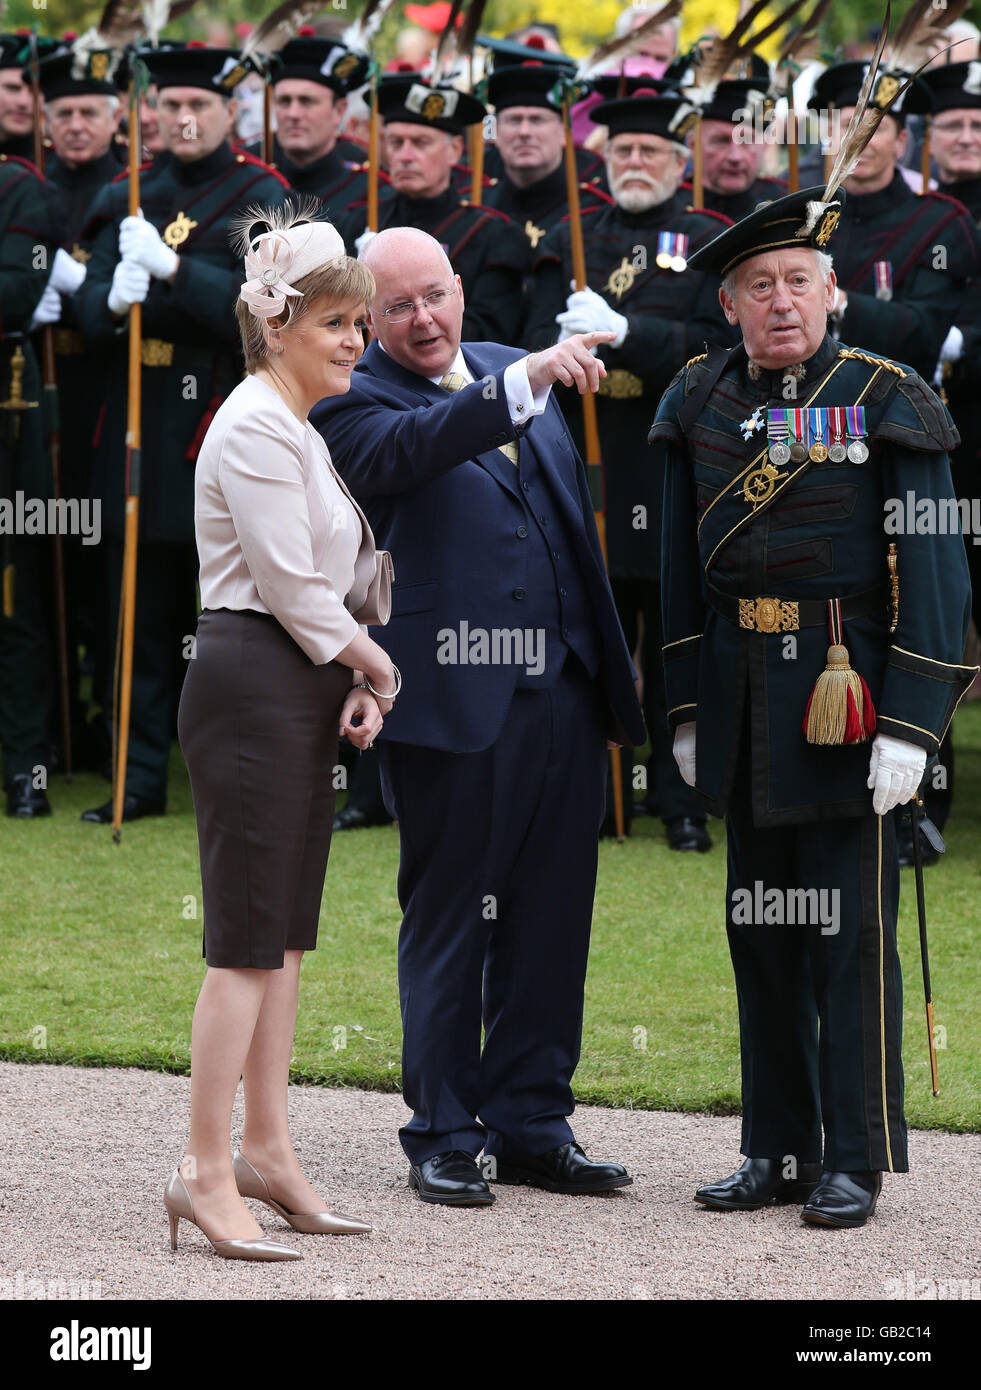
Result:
<point x="251" y="1183"/>
<point x="178" y="1202"/>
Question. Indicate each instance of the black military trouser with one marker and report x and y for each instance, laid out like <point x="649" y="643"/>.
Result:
<point x="166" y="615"/>
<point x="820" y="1004"/>
<point x="27" y="677"/>
<point x="673" y="795"/>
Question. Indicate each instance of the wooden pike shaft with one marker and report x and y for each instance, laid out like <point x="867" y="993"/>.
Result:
<point x="133" y="452"/>
<point x="594" y="458"/>
<point x="373" y="159"/>
<point x="925" y="157"/>
<point x="476" y="141"/>
<point x="698" y="195"/>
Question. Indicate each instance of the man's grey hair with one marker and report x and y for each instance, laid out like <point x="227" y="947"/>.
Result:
<point x="824" y="261"/>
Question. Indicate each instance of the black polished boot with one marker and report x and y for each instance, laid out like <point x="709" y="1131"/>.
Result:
<point x="843" y="1199"/>
<point x="757" y="1183"/>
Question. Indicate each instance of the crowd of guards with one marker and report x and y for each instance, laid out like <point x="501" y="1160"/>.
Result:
<point x="907" y="257"/>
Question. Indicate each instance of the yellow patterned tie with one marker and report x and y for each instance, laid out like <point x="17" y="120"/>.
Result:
<point x="453" y="381"/>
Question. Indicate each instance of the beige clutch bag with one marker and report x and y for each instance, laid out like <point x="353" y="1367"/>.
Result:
<point x="377" y="607"/>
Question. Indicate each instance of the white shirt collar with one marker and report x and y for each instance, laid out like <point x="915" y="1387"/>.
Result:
<point x="459" y="364"/>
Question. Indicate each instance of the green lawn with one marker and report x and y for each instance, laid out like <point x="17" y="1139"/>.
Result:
<point x="100" y="957"/>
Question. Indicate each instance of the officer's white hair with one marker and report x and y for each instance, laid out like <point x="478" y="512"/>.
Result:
<point x="824" y="261"/>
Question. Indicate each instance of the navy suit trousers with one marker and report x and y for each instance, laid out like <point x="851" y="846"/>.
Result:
<point x="496" y="882"/>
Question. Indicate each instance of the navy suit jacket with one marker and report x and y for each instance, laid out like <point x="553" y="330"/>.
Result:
<point x="427" y="470"/>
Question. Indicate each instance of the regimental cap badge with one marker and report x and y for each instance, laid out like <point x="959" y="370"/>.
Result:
<point x="828" y="224"/>
<point x="432" y="106"/>
<point x="885" y="92"/>
<point x="683" y="120"/>
<point x="344" y="66"/>
<point x="99" y="66"/>
<point x="233" y="71"/>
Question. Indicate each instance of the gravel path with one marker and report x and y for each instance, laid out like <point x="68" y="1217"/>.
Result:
<point x="86" y="1154"/>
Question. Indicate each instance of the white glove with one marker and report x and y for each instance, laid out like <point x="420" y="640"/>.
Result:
<point x="588" y="312"/>
<point x="365" y="239"/>
<point x="130" y="285"/>
<point x="67" y="275"/>
<point x="140" y="241"/>
<point x="48" y="309"/>
<point x="895" y="769"/>
<point x="684" y="751"/>
<point x="953" y="348"/>
<point x="952" y="351"/>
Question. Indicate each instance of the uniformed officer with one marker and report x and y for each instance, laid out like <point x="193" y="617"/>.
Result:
<point x="16" y="104"/>
<point x="82" y="113"/>
<point x="178" y="262"/>
<point x="787" y="647"/>
<point x="531" y="187"/>
<point x="639" y="285"/>
<point x="731" y="157"/>
<point x="26" y="648"/>
<point x="311" y="79"/>
<point x="423" y="135"/>
<point x="903" y="260"/>
<point x="955" y="141"/>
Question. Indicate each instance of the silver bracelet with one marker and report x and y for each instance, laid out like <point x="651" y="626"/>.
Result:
<point x="392" y="694"/>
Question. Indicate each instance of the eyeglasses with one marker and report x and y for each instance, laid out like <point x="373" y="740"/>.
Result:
<point x="650" y="154"/>
<point x="400" y="313"/>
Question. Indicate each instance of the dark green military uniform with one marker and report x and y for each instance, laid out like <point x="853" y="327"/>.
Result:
<point x="191" y="361"/>
<point x="904" y="259"/>
<point x="339" y="177"/>
<point x="738" y="205"/>
<point x="82" y="380"/>
<point x="671" y="312"/>
<point x="26" y="647"/>
<point x="799" y="815"/>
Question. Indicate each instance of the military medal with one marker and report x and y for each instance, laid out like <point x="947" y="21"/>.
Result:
<point x="758" y="486"/>
<point x="858" y="450"/>
<point x="777" y="430"/>
<point x="837" y="452"/>
<point x="798" y="449"/>
<point x="883" y="279"/>
<point x="754" y="423"/>
<point x="177" y="232"/>
<point x="818" y="451"/>
<point x="672" y="251"/>
<point x="621" y="279"/>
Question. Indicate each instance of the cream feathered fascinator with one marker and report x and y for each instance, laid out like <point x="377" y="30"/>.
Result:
<point x="282" y="245"/>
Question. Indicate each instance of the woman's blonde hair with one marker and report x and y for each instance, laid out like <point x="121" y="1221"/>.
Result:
<point x="341" y="281"/>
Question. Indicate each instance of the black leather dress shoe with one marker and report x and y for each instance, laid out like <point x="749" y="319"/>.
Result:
<point x="25" y="800"/>
<point x="565" y="1169"/>
<point x="353" y="818"/>
<point x="134" y="808"/>
<point x="757" y="1183"/>
<point x="686" y="833"/>
<point x="451" y="1179"/>
<point x="843" y="1199"/>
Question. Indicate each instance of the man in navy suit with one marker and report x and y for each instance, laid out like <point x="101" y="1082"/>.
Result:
<point x="516" y="676"/>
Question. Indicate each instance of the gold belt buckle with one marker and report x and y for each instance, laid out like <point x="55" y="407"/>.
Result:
<point x="154" y="352"/>
<point x="768" y="615"/>
<point x="621" y="384"/>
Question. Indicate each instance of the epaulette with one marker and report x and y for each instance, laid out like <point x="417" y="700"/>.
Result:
<point x="24" y="163"/>
<point x="365" y="167"/>
<point x="692" y="360"/>
<point x="242" y="157"/>
<point x="872" y="361"/>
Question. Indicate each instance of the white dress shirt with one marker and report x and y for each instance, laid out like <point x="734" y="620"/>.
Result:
<point x="277" y="531"/>
<point x="522" y="404"/>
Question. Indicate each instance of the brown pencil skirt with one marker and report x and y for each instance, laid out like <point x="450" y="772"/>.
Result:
<point x="258" y="729"/>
